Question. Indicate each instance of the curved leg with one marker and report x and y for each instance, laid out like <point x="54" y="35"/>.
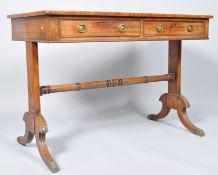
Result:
<point x="164" y="111"/>
<point x="182" y="104"/>
<point x="179" y="103"/>
<point x="36" y="125"/>
<point x="187" y="123"/>
<point x="40" y="134"/>
<point x="29" y="132"/>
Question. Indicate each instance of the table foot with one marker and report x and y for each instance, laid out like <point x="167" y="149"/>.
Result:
<point x="164" y="111"/>
<point x="36" y="125"/>
<point x="40" y="133"/>
<point x="27" y="138"/>
<point x="179" y="103"/>
<point x="188" y="124"/>
<point x="29" y="132"/>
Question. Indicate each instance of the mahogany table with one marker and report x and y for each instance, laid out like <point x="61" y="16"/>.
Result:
<point x="80" y="26"/>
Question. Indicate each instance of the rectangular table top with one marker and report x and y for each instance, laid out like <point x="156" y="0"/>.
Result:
<point x="110" y="14"/>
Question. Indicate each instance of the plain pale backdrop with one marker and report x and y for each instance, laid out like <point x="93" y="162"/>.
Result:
<point x="104" y="131"/>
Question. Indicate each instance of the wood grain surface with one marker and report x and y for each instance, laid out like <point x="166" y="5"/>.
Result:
<point x="94" y="13"/>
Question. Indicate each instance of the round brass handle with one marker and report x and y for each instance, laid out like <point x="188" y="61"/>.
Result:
<point x="81" y="28"/>
<point x="122" y="28"/>
<point x="190" y="28"/>
<point x="160" y="28"/>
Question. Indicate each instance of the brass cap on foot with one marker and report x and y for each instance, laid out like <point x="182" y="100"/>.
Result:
<point x="199" y="132"/>
<point x="53" y="166"/>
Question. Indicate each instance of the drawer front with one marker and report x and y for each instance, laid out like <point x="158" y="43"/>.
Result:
<point x="174" y="28"/>
<point x="98" y="28"/>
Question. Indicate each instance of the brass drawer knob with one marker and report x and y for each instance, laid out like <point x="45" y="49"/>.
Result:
<point x="81" y="28"/>
<point x="122" y="28"/>
<point x="160" y="28"/>
<point x="190" y="28"/>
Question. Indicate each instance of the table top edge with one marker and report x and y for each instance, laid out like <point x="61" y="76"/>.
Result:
<point x="105" y="14"/>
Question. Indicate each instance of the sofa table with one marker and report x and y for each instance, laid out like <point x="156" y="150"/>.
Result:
<point x="81" y="26"/>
